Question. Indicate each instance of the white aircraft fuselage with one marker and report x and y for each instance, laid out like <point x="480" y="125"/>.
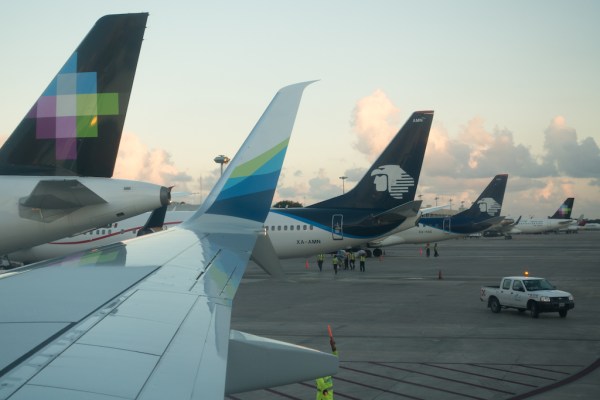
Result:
<point x="31" y="216"/>
<point x="539" y="225"/>
<point x="293" y="238"/>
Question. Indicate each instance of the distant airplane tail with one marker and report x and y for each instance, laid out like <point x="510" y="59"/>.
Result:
<point x="251" y="177"/>
<point x="392" y="180"/>
<point x="564" y="211"/>
<point x="75" y="126"/>
<point x="155" y="222"/>
<point x="489" y="202"/>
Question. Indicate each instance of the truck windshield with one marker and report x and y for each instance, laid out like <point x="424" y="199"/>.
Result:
<point x="537" y="284"/>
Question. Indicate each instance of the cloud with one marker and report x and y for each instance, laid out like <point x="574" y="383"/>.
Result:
<point x="477" y="153"/>
<point x="375" y="120"/>
<point x="567" y="155"/>
<point x="136" y="161"/>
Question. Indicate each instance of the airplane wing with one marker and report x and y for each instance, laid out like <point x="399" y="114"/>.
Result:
<point x="150" y="318"/>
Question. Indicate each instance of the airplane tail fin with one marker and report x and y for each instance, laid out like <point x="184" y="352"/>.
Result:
<point x="393" y="178"/>
<point x="489" y="202"/>
<point x="251" y="177"/>
<point x="564" y="211"/>
<point x="75" y="126"/>
<point x="155" y="221"/>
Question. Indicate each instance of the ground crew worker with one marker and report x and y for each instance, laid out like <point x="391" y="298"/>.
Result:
<point x="435" y="252"/>
<point x="325" y="384"/>
<point x="320" y="258"/>
<point x="352" y="261"/>
<point x="362" y="262"/>
<point x="335" y="263"/>
<point x="427" y="249"/>
<point x="346" y="261"/>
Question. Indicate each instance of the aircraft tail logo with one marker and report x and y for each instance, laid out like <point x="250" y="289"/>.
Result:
<point x="393" y="179"/>
<point x="489" y="206"/>
<point x="564" y="211"/>
<point x="69" y="108"/>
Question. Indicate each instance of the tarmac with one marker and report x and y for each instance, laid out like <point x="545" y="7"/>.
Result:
<point x="413" y="327"/>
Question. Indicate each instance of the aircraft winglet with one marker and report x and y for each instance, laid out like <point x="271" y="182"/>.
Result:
<point x="251" y="177"/>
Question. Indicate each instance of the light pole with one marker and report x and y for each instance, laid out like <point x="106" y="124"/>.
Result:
<point x="436" y="199"/>
<point x="450" y="201"/>
<point x="221" y="159"/>
<point x="343" y="178"/>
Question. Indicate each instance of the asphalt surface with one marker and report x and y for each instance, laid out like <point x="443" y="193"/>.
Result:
<point x="413" y="327"/>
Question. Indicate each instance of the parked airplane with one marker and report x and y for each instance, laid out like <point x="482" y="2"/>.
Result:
<point x="560" y="219"/>
<point x="150" y="318"/>
<point x="55" y="166"/>
<point x="484" y="213"/>
<point x="381" y="202"/>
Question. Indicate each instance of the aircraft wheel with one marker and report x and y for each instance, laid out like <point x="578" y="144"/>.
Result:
<point x="563" y="313"/>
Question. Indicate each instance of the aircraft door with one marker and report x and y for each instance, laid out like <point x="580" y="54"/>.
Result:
<point x="337" y="227"/>
<point x="447" y="225"/>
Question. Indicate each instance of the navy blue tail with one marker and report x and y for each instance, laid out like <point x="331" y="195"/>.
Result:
<point x="393" y="178"/>
<point x="564" y="211"/>
<point x="489" y="202"/>
<point x="75" y="127"/>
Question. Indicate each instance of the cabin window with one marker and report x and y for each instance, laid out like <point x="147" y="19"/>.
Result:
<point x="291" y="227"/>
<point x="298" y="227"/>
<point x="278" y="227"/>
<point x="311" y="227"/>
<point x="285" y="227"/>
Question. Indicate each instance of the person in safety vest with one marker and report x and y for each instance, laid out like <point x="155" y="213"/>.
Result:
<point x="320" y="258"/>
<point x="325" y="384"/>
<point x="335" y="263"/>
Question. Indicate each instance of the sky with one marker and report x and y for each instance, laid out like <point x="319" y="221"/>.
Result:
<point x="514" y="85"/>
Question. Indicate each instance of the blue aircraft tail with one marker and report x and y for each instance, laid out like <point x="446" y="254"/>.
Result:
<point x="489" y="202"/>
<point x="75" y="126"/>
<point x="393" y="178"/>
<point x="564" y="211"/>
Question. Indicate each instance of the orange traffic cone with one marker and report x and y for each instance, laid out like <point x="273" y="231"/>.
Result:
<point x="306" y="264"/>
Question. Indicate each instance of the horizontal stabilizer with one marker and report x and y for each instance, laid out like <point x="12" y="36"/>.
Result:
<point x="256" y="362"/>
<point x="61" y="195"/>
<point x="430" y="210"/>
<point x="407" y="210"/>
<point x="51" y="200"/>
<point x="264" y="256"/>
<point x="481" y="225"/>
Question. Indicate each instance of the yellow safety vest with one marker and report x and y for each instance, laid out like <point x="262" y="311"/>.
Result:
<point x="325" y="383"/>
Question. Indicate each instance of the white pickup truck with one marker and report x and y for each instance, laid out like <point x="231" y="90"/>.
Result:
<point x="527" y="293"/>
